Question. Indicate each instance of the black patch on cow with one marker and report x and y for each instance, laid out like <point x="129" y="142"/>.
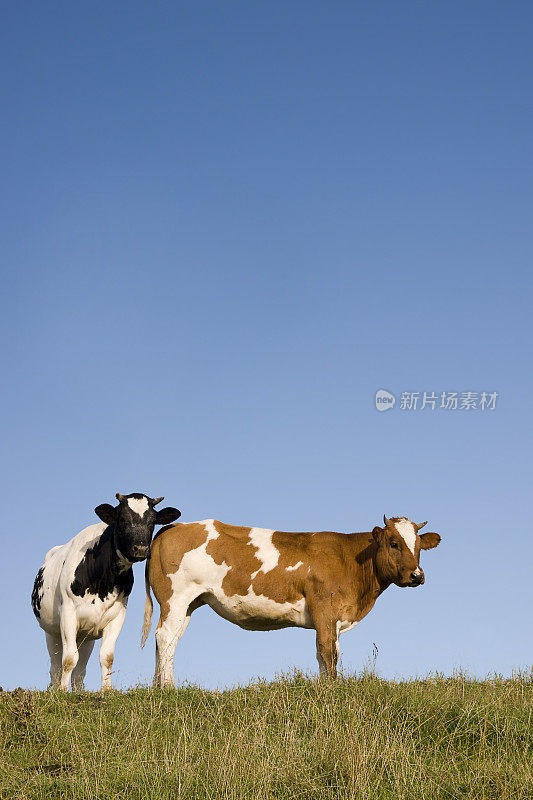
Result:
<point x="99" y="571"/>
<point x="36" y="595"/>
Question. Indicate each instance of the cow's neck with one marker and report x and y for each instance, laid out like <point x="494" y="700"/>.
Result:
<point x="368" y="584"/>
<point x="120" y="563"/>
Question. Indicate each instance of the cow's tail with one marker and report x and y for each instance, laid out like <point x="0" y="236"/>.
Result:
<point x="148" y="607"/>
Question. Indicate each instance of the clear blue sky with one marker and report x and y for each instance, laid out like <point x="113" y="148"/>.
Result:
<point x="224" y="226"/>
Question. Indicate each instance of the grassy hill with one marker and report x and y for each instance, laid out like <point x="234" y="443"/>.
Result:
<point x="355" y="739"/>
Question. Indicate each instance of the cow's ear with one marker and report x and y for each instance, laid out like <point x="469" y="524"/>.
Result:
<point x="107" y="513"/>
<point x="377" y="533"/>
<point x="429" y="540"/>
<point x="167" y="515"/>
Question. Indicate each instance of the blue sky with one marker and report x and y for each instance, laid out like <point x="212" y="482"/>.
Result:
<point x="224" y="227"/>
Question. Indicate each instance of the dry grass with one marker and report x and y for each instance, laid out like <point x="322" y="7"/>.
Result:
<point x="355" y="739"/>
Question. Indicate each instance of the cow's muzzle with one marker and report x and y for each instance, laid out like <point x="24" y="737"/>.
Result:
<point x="140" y="552"/>
<point x="416" y="578"/>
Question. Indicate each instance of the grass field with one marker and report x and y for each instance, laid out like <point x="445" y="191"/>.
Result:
<point x="295" y="738"/>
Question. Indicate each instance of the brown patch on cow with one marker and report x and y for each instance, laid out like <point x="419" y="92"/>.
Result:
<point x="166" y="554"/>
<point x="280" y="584"/>
<point x="234" y="548"/>
<point x="338" y="582"/>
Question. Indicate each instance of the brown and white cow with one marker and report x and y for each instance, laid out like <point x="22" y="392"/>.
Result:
<point x="264" y="579"/>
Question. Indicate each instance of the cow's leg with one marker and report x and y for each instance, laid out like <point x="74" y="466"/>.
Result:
<point x="166" y="639"/>
<point x="69" y="658"/>
<point x="55" y="651"/>
<point x="327" y="648"/>
<point x="107" y="648"/>
<point x="169" y="631"/>
<point x="321" y="663"/>
<point x="78" y="673"/>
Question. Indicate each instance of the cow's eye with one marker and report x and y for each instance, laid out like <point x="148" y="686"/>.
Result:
<point x="395" y="545"/>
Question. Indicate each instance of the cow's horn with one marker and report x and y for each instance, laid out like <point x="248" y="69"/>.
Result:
<point x="120" y="497"/>
<point x="420" y="525"/>
<point x="157" y="500"/>
<point x="385" y="520"/>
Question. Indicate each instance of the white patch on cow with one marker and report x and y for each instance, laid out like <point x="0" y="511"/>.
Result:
<point x="138" y="505"/>
<point x="94" y="615"/>
<point x="296" y="566"/>
<point x="345" y="625"/>
<point x="407" y="531"/>
<point x="52" y="551"/>
<point x="197" y="565"/>
<point x="418" y="571"/>
<point x="342" y="626"/>
<point x="122" y="562"/>
<point x="268" y="555"/>
<point x="257" y="612"/>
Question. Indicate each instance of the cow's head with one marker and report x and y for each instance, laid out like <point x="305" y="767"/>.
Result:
<point x="134" y="519"/>
<point x="399" y="544"/>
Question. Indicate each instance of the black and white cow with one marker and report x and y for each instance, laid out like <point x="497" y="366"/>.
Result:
<point x="81" y="591"/>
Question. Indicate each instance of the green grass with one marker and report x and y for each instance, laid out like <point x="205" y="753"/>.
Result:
<point x="296" y="738"/>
